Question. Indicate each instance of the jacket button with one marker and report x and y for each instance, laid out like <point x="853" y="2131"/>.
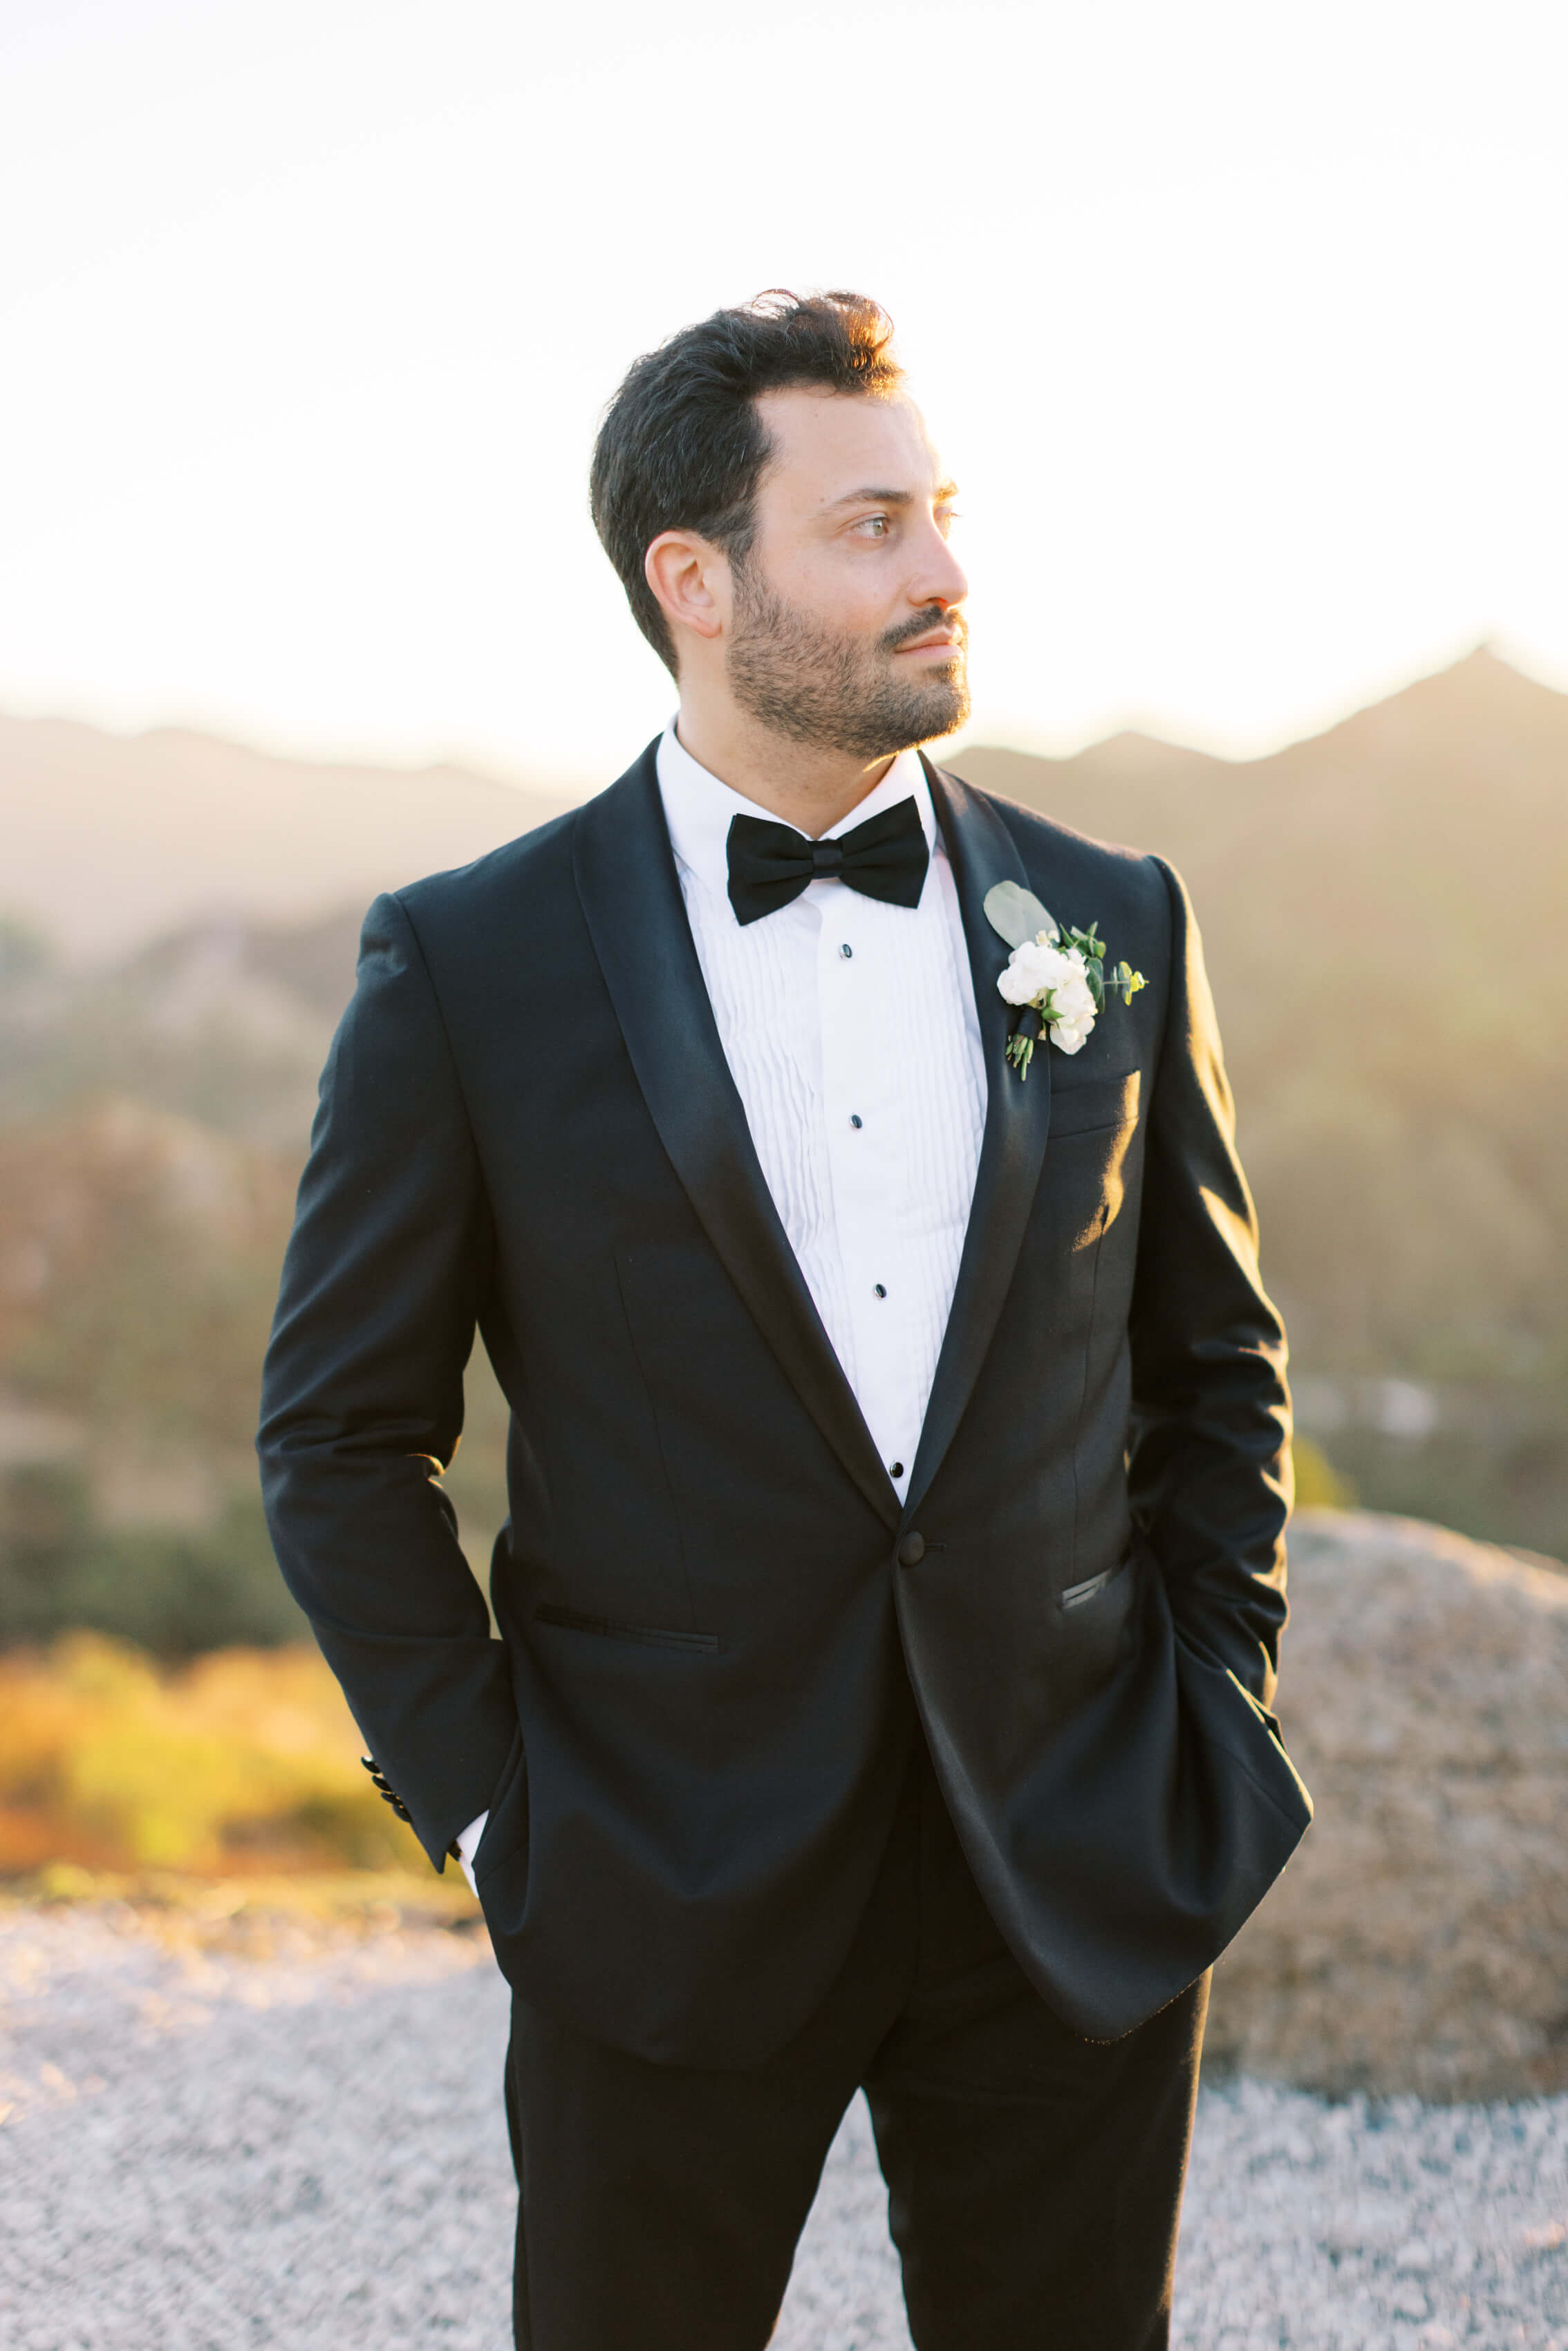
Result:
<point x="912" y="1550"/>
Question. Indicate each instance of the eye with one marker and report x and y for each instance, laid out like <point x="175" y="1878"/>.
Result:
<point x="876" y="525"/>
<point x="945" y="517"/>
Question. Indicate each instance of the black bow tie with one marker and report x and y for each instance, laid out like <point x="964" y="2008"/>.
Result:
<point x="769" y="864"/>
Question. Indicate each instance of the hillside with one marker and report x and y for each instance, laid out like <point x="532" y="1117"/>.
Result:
<point x="1383" y="911"/>
<point x="110" y="839"/>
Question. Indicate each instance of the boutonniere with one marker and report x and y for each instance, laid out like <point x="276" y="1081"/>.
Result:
<point x="1058" y="975"/>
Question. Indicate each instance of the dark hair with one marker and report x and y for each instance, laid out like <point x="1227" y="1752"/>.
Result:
<point x="682" y="446"/>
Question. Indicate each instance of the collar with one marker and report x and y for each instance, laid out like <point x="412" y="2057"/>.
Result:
<point x="698" y="810"/>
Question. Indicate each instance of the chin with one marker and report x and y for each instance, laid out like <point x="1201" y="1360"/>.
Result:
<point x="944" y="712"/>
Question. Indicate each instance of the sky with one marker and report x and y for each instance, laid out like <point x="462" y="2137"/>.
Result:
<point x="1241" y="327"/>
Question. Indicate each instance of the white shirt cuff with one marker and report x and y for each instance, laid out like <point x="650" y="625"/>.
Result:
<point x="467" y="1846"/>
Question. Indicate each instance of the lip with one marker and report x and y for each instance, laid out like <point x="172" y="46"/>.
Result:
<point x="933" y="645"/>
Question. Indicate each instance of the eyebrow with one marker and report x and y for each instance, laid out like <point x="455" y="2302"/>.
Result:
<point x="942" y="492"/>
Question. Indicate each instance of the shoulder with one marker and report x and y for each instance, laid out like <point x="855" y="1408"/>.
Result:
<point x="526" y="893"/>
<point x="524" y="872"/>
<point x="1067" y="869"/>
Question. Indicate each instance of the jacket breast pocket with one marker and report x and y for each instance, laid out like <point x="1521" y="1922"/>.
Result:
<point x="1086" y="1108"/>
<point x="1091" y="1148"/>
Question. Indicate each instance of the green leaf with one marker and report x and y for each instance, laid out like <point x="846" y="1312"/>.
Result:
<point x="1016" y="915"/>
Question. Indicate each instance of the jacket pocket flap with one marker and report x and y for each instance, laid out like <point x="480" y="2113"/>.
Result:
<point x="1078" y="1109"/>
<point x="1077" y="1593"/>
<point x="610" y="1628"/>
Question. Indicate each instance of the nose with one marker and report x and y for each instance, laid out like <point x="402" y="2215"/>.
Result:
<point x="939" y="579"/>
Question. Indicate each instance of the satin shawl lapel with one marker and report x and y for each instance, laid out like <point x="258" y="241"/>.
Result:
<point x="631" y="897"/>
<point x="1017" y="1115"/>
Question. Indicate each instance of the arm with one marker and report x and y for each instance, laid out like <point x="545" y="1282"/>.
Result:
<point x="1210" y="1468"/>
<point x="362" y="1395"/>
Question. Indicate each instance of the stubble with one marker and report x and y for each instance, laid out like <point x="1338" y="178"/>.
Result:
<point x="835" y="693"/>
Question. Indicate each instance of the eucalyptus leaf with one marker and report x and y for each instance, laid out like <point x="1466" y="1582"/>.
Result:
<point x="1017" y="914"/>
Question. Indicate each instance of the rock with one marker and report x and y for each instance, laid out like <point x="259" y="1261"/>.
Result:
<point x="1418" y="1940"/>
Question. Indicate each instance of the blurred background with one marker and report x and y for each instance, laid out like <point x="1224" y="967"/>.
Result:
<point x="1237" y="327"/>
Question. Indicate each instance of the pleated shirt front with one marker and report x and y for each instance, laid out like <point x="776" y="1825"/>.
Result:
<point x="851" y="1030"/>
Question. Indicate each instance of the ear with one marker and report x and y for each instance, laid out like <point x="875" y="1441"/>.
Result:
<point x="690" y="577"/>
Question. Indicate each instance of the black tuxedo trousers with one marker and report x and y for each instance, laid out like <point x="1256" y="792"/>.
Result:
<point x="717" y="1619"/>
<point x="1034" y="2178"/>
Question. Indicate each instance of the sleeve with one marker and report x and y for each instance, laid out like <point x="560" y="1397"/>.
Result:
<point x="362" y="1395"/>
<point x="1209" y="1458"/>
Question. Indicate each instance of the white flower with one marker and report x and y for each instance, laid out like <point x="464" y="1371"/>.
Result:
<point x="1051" y="978"/>
<point x="1071" y="1035"/>
<point x="1055" y="979"/>
<point x="1035" y="968"/>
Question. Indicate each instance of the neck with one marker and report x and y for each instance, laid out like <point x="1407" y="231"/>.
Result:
<point x="811" y="789"/>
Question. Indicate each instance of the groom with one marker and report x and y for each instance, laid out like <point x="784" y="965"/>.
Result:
<point x="898" y="1463"/>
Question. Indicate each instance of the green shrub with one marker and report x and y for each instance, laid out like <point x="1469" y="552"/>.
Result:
<point x="172" y="1590"/>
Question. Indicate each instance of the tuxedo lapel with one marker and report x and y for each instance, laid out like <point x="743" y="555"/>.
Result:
<point x="631" y="897"/>
<point x="1017" y="1115"/>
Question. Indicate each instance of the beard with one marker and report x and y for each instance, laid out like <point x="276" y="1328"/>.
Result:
<point x="835" y="691"/>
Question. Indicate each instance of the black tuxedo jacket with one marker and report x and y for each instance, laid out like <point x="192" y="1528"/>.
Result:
<point x="717" y="1623"/>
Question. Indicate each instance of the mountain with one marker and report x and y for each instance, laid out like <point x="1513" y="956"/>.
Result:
<point x="112" y="838"/>
<point x="1383" y="911"/>
<point x="1421" y="846"/>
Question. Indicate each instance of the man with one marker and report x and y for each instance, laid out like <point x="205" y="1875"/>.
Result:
<point x="899" y="1448"/>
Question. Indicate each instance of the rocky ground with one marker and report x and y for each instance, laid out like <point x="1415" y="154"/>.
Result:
<point x="305" y="2150"/>
<point x="1418" y="1941"/>
<point x="220" y="2131"/>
